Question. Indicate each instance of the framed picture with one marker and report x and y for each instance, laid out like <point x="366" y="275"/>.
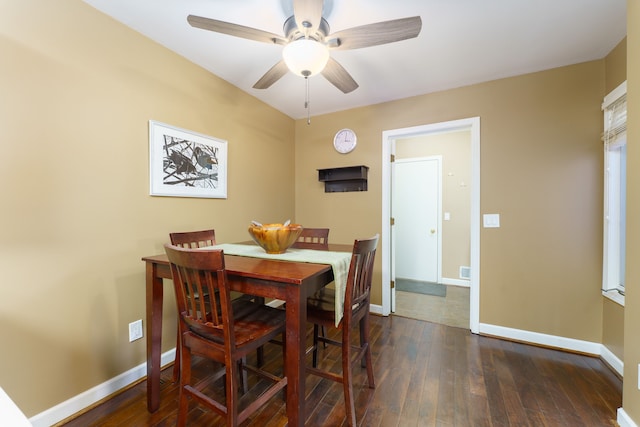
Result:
<point x="186" y="164"/>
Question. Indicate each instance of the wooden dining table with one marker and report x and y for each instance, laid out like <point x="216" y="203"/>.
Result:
<point x="288" y="281"/>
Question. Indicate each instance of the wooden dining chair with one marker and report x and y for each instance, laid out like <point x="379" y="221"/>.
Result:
<point x="223" y="330"/>
<point x="313" y="238"/>
<point x="193" y="239"/>
<point x="321" y="312"/>
<point x="200" y="239"/>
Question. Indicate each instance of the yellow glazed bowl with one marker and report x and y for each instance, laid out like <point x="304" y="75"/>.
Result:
<point x="275" y="238"/>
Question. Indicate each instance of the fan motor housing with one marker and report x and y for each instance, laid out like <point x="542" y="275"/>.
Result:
<point x="292" y="31"/>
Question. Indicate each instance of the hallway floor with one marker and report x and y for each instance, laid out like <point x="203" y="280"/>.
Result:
<point x="450" y="310"/>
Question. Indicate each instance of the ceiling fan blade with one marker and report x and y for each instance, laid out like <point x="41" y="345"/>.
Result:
<point x="339" y="77"/>
<point x="308" y="14"/>
<point x="376" y="34"/>
<point x="273" y="75"/>
<point x="235" y="30"/>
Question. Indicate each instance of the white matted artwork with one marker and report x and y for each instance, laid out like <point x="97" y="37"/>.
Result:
<point x="186" y="164"/>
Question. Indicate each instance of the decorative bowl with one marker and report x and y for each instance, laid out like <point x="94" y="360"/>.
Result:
<point x="275" y="238"/>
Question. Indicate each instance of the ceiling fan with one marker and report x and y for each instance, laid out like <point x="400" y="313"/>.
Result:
<point x="306" y="32"/>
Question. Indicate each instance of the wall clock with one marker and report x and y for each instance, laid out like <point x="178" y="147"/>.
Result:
<point x="345" y="141"/>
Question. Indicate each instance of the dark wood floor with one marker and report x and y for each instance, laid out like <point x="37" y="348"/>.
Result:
<point x="427" y="374"/>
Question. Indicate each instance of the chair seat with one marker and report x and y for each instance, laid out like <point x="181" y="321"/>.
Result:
<point x="251" y="321"/>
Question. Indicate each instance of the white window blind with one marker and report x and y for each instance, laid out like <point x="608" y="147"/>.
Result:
<point x="615" y="116"/>
<point x="615" y="159"/>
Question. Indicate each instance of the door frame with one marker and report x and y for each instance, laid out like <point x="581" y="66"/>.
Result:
<point x="388" y="144"/>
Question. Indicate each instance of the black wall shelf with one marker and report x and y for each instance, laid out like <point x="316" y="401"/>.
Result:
<point x="350" y="178"/>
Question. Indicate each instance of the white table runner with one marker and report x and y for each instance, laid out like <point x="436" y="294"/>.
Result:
<point x="339" y="261"/>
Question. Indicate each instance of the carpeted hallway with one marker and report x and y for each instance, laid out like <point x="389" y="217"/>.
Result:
<point x="452" y="309"/>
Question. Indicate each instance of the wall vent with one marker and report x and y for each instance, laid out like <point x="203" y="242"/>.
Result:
<point x="465" y="272"/>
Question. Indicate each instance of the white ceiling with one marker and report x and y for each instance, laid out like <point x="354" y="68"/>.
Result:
<point x="462" y="42"/>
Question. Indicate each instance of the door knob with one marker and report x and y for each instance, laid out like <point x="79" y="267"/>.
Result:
<point x="433" y="231"/>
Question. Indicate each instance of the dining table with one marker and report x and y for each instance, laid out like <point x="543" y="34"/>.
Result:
<point x="290" y="280"/>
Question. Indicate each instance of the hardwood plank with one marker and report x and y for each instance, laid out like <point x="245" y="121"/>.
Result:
<point x="426" y="375"/>
<point x="478" y="404"/>
<point x="445" y="409"/>
<point x="495" y="399"/>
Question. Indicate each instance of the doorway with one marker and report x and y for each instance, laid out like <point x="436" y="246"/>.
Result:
<point x="472" y="125"/>
<point x="416" y="204"/>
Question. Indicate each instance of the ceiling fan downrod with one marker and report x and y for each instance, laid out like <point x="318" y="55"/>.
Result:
<point x="307" y="102"/>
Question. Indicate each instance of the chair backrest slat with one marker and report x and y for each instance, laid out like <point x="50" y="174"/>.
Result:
<point x="313" y="238"/>
<point x="193" y="239"/>
<point x="198" y="272"/>
<point x="358" y="288"/>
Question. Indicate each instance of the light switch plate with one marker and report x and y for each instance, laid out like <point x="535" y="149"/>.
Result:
<point x="491" y="220"/>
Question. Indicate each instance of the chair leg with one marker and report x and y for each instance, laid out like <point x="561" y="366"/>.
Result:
<point x="260" y="351"/>
<point x="284" y="364"/>
<point x="364" y="341"/>
<point x="260" y="356"/>
<point x="315" y="346"/>
<point x="242" y="375"/>
<point x="176" y="363"/>
<point x="231" y="387"/>
<point x="347" y="380"/>
<point x="185" y="379"/>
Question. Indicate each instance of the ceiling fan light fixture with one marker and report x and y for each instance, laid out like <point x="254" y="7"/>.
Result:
<point x="305" y="57"/>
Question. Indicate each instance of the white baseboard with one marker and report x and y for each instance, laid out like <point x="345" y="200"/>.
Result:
<point x="275" y="303"/>
<point x="78" y="403"/>
<point x="456" y="282"/>
<point x="541" y="339"/>
<point x="624" y="420"/>
<point x="375" y="309"/>
<point x="612" y="360"/>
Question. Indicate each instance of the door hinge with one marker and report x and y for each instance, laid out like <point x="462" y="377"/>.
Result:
<point x="392" y="221"/>
<point x="393" y="158"/>
<point x="393" y="284"/>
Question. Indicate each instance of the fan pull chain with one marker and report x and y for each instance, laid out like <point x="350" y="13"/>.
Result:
<point x="306" y="100"/>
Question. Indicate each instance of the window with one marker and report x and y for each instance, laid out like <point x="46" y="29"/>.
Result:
<point x="615" y="178"/>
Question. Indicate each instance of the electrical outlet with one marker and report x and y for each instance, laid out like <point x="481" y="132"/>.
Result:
<point x="135" y="330"/>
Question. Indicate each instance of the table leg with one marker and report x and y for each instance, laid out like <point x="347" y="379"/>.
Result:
<point x="154" y="335"/>
<point x="295" y="356"/>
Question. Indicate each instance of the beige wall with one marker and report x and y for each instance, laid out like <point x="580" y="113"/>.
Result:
<point x="541" y="169"/>
<point x="78" y="90"/>
<point x="631" y="394"/>
<point x="616" y="66"/>
<point x="455" y="149"/>
<point x="613" y="329"/>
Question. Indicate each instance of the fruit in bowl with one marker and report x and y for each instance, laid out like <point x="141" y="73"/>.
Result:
<point x="275" y="238"/>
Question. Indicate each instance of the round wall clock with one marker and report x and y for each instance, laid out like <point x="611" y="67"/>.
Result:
<point x="345" y="141"/>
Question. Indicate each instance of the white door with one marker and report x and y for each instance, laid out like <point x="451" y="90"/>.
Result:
<point x="416" y="213"/>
